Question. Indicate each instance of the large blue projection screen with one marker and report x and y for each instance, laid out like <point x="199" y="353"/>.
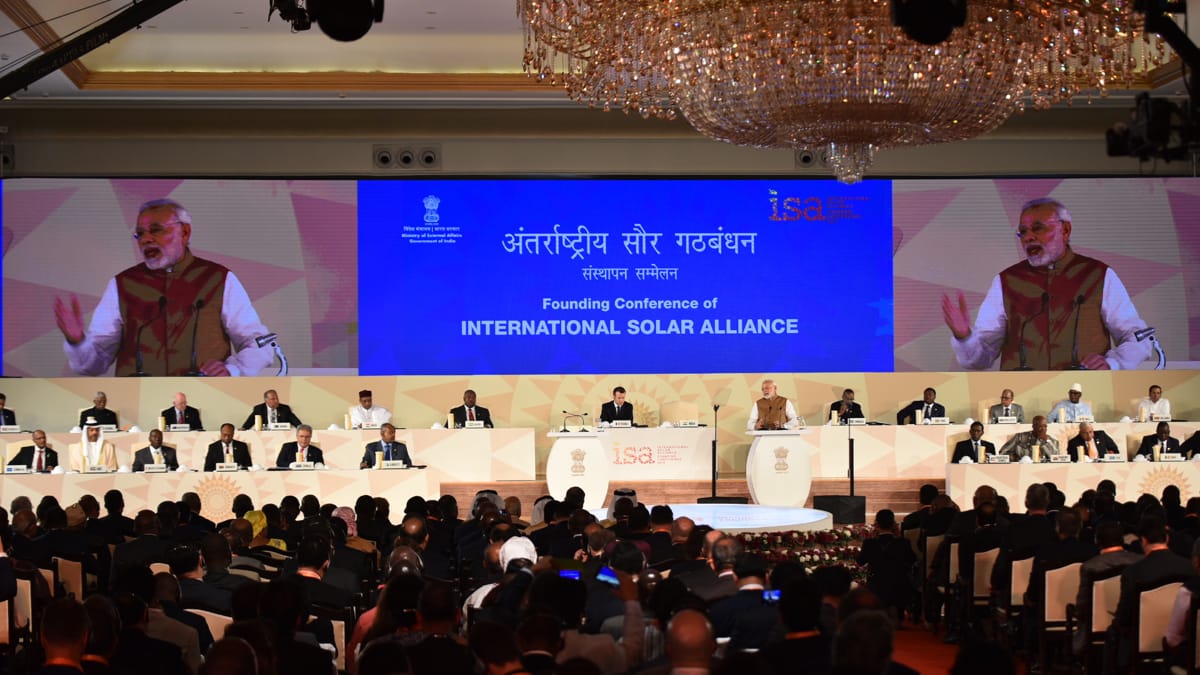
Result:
<point x="562" y="276"/>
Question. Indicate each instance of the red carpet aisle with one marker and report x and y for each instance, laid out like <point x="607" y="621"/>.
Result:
<point x="926" y="653"/>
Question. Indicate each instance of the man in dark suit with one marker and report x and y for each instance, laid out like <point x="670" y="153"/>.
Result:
<point x="38" y="457"/>
<point x="846" y="408"/>
<point x="1191" y="445"/>
<point x="100" y="411"/>
<point x="271" y="410"/>
<point x="889" y="560"/>
<point x="1065" y="549"/>
<point x="155" y="453"/>
<point x="115" y="526"/>
<point x="1157" y="567"/>
<point x="148" y="547"/>
<point x="1027" y="533"/>
<point x="617" y="410"/>
<point x="927" y="406"/>
<point x="1091" y="443"/>
<point x="218" y="450"/>
<point x="970" y="447"/>
<point x="7" y="417"/>
<point x="195" y="591"/>
<point x="1112" y="558"/>
<point x="744" y="617"/>
<point x="299" y="450"/>
<point x="182" y="413"/>
<point x="388" y="446"/>
<point x="469" y="412"/>
<point x="1161" y="439"/>
<point x="312" y="559"/>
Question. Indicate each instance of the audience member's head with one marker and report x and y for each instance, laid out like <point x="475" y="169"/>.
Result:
<point x="863" y="643"/>
<point x="800" y="605"/>
<point x="230" y="656"/>
<point x="690" y="641"/>
<point x="105" y="626"/>
<point x="65" y="628"/>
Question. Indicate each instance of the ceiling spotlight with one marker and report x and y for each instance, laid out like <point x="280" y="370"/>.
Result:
<point x="342" y="20"/>
<point x="929" y="22"/>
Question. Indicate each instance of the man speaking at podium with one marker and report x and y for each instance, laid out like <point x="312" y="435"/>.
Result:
<point x="617" y="410"/>
<point x="168" y="307"/>
<point x="771" y="412"/>
<point x="1055" y="310"/>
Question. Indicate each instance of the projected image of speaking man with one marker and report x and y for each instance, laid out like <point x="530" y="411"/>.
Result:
<point x="160" y="303"/>
<point x="1041" y="300"/>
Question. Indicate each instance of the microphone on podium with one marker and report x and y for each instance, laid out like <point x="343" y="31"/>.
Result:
<point x="1021" y="334"/>
<point x="1075" y="364"/>
<point x="139" y="360"/>
<point x="196" y="307"/>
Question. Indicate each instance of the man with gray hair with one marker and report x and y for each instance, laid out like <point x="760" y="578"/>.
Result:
<point x="1054" y="310"/>
<point x="171" y="314"/>
<point x="300" y="450"/>
<point x="99" y="411"/>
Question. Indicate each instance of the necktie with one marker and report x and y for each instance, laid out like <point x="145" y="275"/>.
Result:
<point x="928" y="411"/>
<point x="976" y="448"/>
<point x="39" y="466"/>
<point x="387" y="451"/>
<point x="228" y="451"/>
<point x="272" y="417"/>
<point x="301" y="453"/>
<point x="1091" y="448"/>
<point x="157" y="452"/>
<point x="1007" y="411"/>
<point x="470" y="414"/>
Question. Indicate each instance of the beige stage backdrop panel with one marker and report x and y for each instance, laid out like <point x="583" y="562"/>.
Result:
<point x="536" y="401"/>
<point x="1133" y="479"/>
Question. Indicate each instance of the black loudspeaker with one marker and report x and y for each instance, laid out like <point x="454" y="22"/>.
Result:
<point x="846" y="509"/>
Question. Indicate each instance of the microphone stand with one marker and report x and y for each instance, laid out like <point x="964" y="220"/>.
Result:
<point x="713" y="498"/>
<point x="1075" y="364"/>
<point x="194" y="371"/>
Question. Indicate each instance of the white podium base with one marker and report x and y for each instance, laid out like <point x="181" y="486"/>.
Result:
<point x="733" y="518"/>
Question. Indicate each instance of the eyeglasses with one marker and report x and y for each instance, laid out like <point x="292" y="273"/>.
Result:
<point x="1039" y="228"/>
<point x="156" y="230"/>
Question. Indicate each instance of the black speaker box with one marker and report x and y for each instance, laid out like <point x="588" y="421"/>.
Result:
<point x="846" y="509"/>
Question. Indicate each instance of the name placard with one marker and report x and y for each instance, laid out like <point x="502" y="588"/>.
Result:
<point x="939" y="420"/>
<point x="1060" y="459"/>
<point x="1170" y="457"/>
<point x="1112" y="457"/>
<point x="999" y="459"/>
<point x="279" y="426"/>
<point x="154" y="468"/>
<point x="97" y="469"/>
<point x="179" y="427"/>
<point x="622" y="424"/>
<point x="1153" y="418"/>
<point x="1011" y="419"/>
<point x="106" y="428"/>
<point x="10" y="428"/>
<point x="469" y="424"/>
<point x="301" y="466"/>
<point x="393" y="464"/>
<point x="1085" y="418"/>
<point x="687" y="424"/>
<point x="371" y="425"/>
<point x="856" y="422"/>
<point x="17" y="468"/>
<point x="227" y="466"/>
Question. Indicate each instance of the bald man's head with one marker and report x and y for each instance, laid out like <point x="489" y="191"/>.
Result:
<point x="983" y="494"/>
<point x="690" y="642"/>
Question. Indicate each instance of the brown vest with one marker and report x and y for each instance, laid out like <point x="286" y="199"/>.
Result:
<point x="1048" y="337"/>
<point x="772" y="412"/>
<point x="167" y="339"/>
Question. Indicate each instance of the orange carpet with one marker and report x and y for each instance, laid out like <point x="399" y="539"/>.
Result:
<point x="923" y="651"/>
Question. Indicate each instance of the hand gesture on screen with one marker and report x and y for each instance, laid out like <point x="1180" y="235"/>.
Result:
<point x="958" y="317"/>
<point x="1095" y="362"/>
<point x="70" y="319"/>
<point x="215" y="368"/>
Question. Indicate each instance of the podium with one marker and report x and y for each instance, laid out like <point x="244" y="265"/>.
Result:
<point x="778" y="468"/>
<point x="578" y="458"/>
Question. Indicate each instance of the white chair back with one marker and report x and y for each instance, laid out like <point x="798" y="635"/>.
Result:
<point x="954" y="562"/>
<point x="985" y="561"/>
<point x="22" y="607"/>
<point x="5" y="622"/>
<point x="1062" y="587"/>
<point x="216" y="622"/>
<point x="931" y="547"/>
<point x="158" y="567"/>
<point x="1105" y="594"/>
<point x="1021" y="569"/>
<point x="913" y="537"/>
<point x="1154" y="611"/>
<point x="70" y="573"/>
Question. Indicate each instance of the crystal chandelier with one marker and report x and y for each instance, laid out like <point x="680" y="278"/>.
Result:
<point x="835" y="73"/>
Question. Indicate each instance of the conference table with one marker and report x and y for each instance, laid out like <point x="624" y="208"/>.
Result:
<point x="450" y="455"/>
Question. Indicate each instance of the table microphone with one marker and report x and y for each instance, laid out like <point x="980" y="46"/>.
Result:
<point x="138" y="358"/>
<point x="1075" y="365"/>
<point x="1021" y="334"/>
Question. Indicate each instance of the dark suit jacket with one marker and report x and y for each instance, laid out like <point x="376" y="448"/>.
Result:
<point x="1104" y="445"/>
<point x="8" y="417"/>
<point x="105" y="416"/>
<point x="144" y="550"/>
<point x="143" y="457"/>
<point x="1099" y="567"/>
<point x="191" y="417"/>
<point x="1056" y="554"/>
<point x="1191" y="445"/>
<point x="744" y="618"/>
<point x="609" y="412"/>
<point x="399" y="451"/>
<point x="287" y="454"/>
<point x="1155" y="569"/>
<point x="326" y="594"/>
<point x="889" y="560"/>
<point x="967" y="449"/>
<point x="481" y="413"/>
<point x="216" y="454"/>
<point x="25" y="456"/>
<point x="855" y="411"/>
<point x="1150" y="442"/>
<point x="911" y="409"/>
<point x="283" y="412"/>
<point x="198" y="594"/>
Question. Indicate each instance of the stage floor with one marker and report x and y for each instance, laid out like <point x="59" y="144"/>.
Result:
<point x="734" y="518"/>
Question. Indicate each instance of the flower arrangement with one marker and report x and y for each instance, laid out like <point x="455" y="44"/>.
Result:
<point x="812" y="549"/>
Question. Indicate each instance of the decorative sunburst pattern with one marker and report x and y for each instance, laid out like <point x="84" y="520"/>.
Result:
<point x="1157" y="479"/>
<point x="216" y="494"/>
